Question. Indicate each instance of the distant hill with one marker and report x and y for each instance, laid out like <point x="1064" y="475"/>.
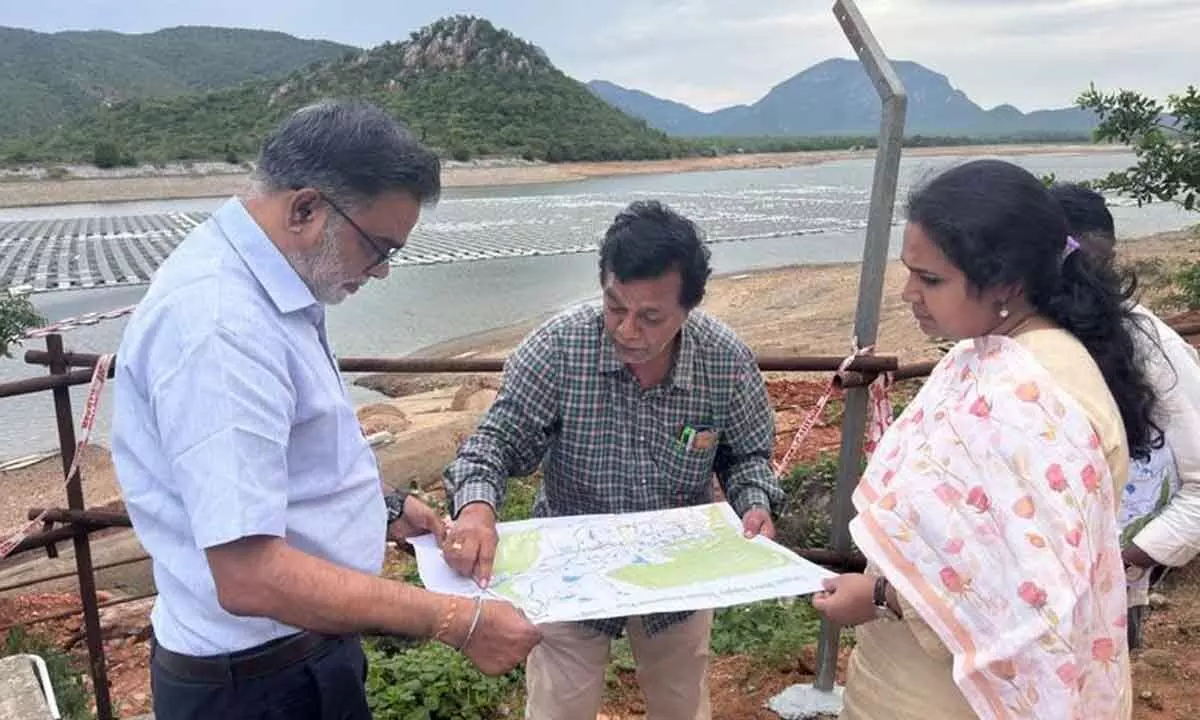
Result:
<point x="667" y="115"/>
<point x="463" y="85"/>
<point x="835" y="97"/>
<point x="48" y="79"/>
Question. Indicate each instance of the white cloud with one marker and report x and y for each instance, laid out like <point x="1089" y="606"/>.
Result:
<point x="713" y="53"/>
<point x="1031" y="53"/>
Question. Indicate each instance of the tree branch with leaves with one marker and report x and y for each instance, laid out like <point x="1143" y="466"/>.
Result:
<point x="1165" y="139"/>
<point x="17" y="315"/>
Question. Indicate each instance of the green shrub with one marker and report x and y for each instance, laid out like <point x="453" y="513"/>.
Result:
<point x="1186" y="281"/>
<point x="810" y="490"/>
<point x="772" y="630"/>
<point x="17" y="314"/>
<point x="518" y="501"/>
<point x="106" y="155"/>
<point x="433" y="682"/>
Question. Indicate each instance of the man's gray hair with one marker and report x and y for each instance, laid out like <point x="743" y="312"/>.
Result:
<point x="352" y="151"/>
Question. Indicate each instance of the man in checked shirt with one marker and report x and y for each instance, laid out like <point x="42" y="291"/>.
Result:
<point x="629" y="407"/>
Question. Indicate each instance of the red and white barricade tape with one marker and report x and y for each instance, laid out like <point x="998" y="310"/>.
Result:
<point x="879" y="408"/>
<point x="99" y="379"/>
<point x="880" y="417"/>
<point x="79" y="321"/>
<point x="811" y="419"/>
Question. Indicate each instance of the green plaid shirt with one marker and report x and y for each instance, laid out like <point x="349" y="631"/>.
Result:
<point x="606" y="445"/>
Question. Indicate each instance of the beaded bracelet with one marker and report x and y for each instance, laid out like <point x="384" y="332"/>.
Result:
<point x="474" y="622"/>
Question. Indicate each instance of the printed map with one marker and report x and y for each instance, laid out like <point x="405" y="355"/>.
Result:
<point x="597" y="566"/>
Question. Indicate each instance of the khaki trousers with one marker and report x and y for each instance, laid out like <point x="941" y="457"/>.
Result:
<point x="564" y="676"/>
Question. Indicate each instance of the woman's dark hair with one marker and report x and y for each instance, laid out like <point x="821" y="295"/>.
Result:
<point x="1088" y="219"/>
<point x="1001" y="226"/>
<point x="1091" y="223"/>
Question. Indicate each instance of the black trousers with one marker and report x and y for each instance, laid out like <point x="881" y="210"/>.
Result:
<point x="326" y="685"/>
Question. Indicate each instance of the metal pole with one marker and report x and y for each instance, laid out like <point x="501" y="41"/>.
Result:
<point x="822" y="698"/>
<point x="870" y="290"/>
<point x="91" y="519"/>
<point x="768" y="363"/>
<point x="28" y="386"/>
<point x="904" y="372"/>
<point x="848" y="562"/>
<point x="44" y="539"/>
<point x="83" y="548"/>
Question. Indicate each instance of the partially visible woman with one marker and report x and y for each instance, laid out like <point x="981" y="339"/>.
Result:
<point x="1160" y="504"/>
<point x="988" y="513"/>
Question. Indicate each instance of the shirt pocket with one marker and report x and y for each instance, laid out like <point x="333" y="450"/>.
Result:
<point x="689" y="470"/>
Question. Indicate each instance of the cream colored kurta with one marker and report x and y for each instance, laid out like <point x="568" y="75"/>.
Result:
<point x="900" y="670"/>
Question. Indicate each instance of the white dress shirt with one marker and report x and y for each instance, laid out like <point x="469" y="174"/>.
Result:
<point x="231" y="420"/>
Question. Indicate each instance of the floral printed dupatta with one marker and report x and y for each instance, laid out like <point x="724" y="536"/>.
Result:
<point x="990" y="507"/>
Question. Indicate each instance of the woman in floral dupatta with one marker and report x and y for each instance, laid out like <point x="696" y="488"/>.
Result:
<point x="988" y="513"/>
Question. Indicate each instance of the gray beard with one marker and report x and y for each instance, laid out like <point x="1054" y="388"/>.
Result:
<point x="321" y="268"/>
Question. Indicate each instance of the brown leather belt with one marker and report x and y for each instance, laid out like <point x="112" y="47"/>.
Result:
<point x="249" y="664"/>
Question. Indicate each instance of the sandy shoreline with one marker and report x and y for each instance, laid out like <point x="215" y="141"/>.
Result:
<point x="214" y="180"/>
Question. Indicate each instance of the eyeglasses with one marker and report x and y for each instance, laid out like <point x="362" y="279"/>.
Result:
<point x="384" y="249"/>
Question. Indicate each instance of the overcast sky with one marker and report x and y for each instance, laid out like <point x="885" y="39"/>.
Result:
<point x="712" y="53"/>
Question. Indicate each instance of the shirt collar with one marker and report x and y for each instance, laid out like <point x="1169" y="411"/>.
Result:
<point x="608" y="362"/>
<point x="263" y="259"/>
<point x="684" y="373"/>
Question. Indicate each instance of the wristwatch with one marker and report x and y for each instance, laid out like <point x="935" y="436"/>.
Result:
<point x="882" y="610"/>
<point x="395" y="505"/>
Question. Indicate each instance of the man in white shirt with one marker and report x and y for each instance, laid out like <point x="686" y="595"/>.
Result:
<point x="239" y="455"/>
<point x="1161" y="502"/>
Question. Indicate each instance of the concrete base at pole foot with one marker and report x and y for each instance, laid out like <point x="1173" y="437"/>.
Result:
<point x="806" y="702"/>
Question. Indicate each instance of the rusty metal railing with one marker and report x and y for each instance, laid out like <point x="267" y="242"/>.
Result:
<point x="58" y="383"/>
<point x="417" y="365"/>
<point x="77" y="522"/>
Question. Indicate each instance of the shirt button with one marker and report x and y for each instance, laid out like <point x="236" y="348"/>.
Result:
<point x="641" y="438"/>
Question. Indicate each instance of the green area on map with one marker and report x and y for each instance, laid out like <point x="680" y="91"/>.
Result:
<point x="721" y="553"/>
<point x="516" y="553"/>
